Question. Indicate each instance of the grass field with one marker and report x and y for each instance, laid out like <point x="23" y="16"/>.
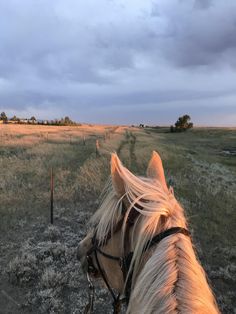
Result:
<point x="27" y="154"/>
<point x="197" y="165"/>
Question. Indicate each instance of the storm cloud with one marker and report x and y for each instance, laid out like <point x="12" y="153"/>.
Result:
<point x="111" y="61"/>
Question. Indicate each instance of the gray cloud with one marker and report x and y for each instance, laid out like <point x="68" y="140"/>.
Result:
<point x="199" y="37"/>
<point x="202" y="4"/>
<point x="68" y="57"/>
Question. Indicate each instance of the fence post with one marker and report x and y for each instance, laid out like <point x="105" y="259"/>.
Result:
<point x="97" y="148"/>
<point x="52" y="192"/>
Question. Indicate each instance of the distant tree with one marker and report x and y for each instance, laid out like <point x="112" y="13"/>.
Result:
<point x="14" y="118"/>
<point x="67" y="121"/>
<point x="3" y="117"/>
<point x="33" y="119"/>
<point x="182" y="124"/>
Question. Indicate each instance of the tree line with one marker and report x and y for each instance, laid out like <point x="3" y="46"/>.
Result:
<point x="63" y="121"/>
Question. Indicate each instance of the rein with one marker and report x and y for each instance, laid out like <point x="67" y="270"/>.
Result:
<point x="124" y="261"/>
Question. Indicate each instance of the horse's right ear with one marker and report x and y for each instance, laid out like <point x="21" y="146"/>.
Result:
<point x="117" y="181"/>
<point x="155" y="170"/>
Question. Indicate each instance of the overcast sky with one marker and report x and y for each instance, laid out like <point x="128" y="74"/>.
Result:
<point x="119" y="61"/>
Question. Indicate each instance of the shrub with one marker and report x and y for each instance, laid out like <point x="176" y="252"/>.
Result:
<point x="182" y="124"/>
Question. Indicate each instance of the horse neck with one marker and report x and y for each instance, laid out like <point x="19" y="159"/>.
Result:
<point x="172" y="280"/>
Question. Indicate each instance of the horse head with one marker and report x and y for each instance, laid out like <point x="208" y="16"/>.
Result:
<point x="140" y="246"/>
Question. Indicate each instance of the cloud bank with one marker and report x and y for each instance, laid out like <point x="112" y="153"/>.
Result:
<point x="119" y="61"/>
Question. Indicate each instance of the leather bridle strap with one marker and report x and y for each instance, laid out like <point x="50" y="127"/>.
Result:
<point x="115" y="258"/>
<point x="126" y="261"/>
<point x="160" y="236"/>
<point x="95" y="247"/>
<point x="116" y="299"/>
<point x="155" y="240"/>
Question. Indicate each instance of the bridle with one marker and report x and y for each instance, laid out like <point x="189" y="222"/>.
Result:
<point x="124" y="261"/>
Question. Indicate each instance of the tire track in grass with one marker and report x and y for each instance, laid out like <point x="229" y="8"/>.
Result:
<point x="133" y="158"/>
<point x="129" y="144"/>
<point x="123" y="144"/>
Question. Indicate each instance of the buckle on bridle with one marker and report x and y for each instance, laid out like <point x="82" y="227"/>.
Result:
<point x="91" y="269"/>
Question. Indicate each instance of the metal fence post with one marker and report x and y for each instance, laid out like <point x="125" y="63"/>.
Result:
<point x="52" y="192"/>
<point x="97" y="148"/>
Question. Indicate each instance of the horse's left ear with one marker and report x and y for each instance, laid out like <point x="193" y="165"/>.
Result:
<point x="155" y="170"/>
<point x="117" y="181"/>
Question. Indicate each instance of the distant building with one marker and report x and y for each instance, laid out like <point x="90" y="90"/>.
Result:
<point x="29" y="121"/>
<point x="23" y="120"/>
<point x="12" y="121"/>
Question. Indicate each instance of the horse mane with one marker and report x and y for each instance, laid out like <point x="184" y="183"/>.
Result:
<point x="169" y="278"/>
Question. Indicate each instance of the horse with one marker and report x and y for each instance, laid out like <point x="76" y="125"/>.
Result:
<point x="140" y="246"/>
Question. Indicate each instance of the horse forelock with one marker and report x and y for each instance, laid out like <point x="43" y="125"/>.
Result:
<point x="142" y="194"/>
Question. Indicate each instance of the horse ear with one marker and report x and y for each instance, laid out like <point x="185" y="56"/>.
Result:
<point x="155" y="170"/>
<point x="117" y="181"/>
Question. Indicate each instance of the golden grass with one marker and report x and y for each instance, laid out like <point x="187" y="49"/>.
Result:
<point x="27" y="152"/>
<point x="28" y="135"/>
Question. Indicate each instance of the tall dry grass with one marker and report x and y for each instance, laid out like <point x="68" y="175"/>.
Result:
<point x="27" y="154"/>
<point x="28" y="135"/>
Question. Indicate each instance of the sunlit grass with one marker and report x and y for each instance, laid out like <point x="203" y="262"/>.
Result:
<point x="27" y="157"/>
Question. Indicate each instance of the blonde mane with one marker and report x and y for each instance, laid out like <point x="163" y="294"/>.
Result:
<point x="168" y="278"/>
